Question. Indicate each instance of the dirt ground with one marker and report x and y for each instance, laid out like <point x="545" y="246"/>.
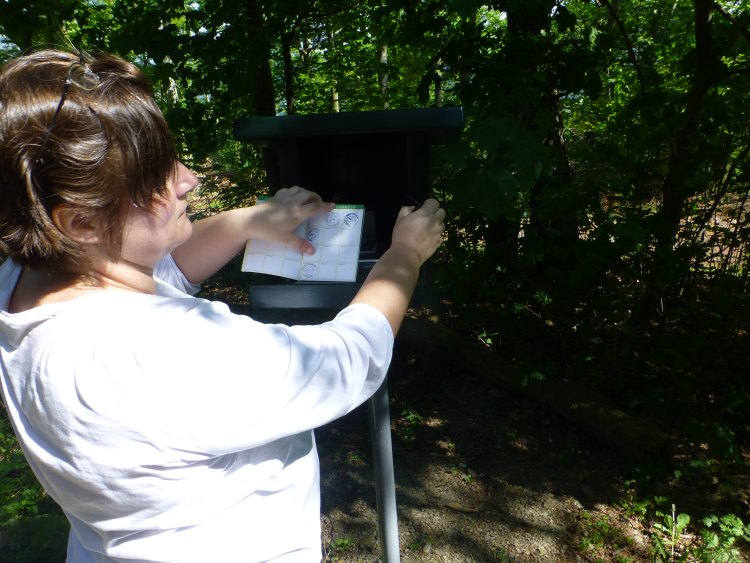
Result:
<point x="482" y="474"/>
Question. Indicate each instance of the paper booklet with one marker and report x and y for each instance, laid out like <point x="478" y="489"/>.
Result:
<point x="336" y="236"/>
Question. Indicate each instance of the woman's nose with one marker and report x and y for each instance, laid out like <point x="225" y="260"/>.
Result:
<point x="186" y="180"/>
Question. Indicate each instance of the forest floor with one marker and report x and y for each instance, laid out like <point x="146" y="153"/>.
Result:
<point x="483" y="473"/>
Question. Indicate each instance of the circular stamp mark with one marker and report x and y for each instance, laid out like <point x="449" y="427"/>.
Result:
<point x="351" y="219"/>
<point x="309" y="270"/>
<point x="313" y="234"/>
<point x="333" y="219"/>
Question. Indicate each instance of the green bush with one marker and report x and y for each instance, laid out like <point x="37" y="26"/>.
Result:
<point x="32" y="526"/>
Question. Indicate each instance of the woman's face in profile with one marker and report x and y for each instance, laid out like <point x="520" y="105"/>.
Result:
<point x="151" y="234"/>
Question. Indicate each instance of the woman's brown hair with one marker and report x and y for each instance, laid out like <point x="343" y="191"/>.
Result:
<point x="105" y="148"/>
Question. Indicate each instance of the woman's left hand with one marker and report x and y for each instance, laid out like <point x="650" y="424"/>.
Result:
<point x="276" y="218"/>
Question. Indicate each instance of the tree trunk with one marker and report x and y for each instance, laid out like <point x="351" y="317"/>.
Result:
<point x="682" y="165"/>
<point x="331" y="56"/>
<point x="264" y="95"/>
<point x="438" y="80"/>
<point x="548" y="220"/>
<point x="563" y="224"/>
<point x="383" y="74"/>
<point x="334" y="98"/>
<point x="682" y="158"/>
<point x="286" y="50"/>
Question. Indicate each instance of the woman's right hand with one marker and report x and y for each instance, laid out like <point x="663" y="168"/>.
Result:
<point x="277" y="218"/>
<point x="420" y="230"/>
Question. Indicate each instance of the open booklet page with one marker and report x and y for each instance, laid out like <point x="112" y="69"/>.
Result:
<point x="336" y="237"/>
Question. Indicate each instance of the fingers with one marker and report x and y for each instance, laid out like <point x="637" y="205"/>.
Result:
<point x="296" y="195"/>
<point x="300" y="202"/>
<point x="315" y="207"/>
<point x="304" y="246"/>
<point x="436" y="220"/>
<point x="430" y="205"/>
<point x="430" y="208"/>
<point x="404" y="211"/>
<point x="421" y="230"/>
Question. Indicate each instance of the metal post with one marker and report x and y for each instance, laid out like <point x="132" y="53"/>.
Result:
<point x="385" y="481"/>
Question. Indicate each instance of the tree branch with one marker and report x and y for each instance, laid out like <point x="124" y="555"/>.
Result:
<point x="628" y="43"/>
<point x="731" y="19"/>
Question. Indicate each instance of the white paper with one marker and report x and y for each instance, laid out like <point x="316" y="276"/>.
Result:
<point x="336" y="237"/>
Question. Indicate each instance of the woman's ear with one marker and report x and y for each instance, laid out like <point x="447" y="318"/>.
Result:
<point x="74" y="225"/>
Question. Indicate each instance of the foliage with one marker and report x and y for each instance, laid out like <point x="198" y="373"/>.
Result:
<point x="667" y="535"/>
<point x="338" y="548"/>
<point x="34" y="528"/>
<point x="598" y="532"/>
<point x="720" y="534"/>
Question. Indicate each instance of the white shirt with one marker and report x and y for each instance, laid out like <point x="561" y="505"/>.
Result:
<point x="169" y="429"/>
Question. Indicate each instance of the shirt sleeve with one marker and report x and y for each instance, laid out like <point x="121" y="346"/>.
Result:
<point x="168" y="272"/>
<point x="210" y="382"/>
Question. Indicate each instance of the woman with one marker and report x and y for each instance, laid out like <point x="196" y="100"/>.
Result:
<point x="167" y="428"/>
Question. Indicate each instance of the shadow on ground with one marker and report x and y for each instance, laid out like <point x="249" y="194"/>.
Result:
<point x="482" y="473"/>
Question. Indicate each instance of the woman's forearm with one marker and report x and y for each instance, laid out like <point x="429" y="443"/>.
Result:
<point x="214" y="242"/>
<point x="390" y="284"/>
